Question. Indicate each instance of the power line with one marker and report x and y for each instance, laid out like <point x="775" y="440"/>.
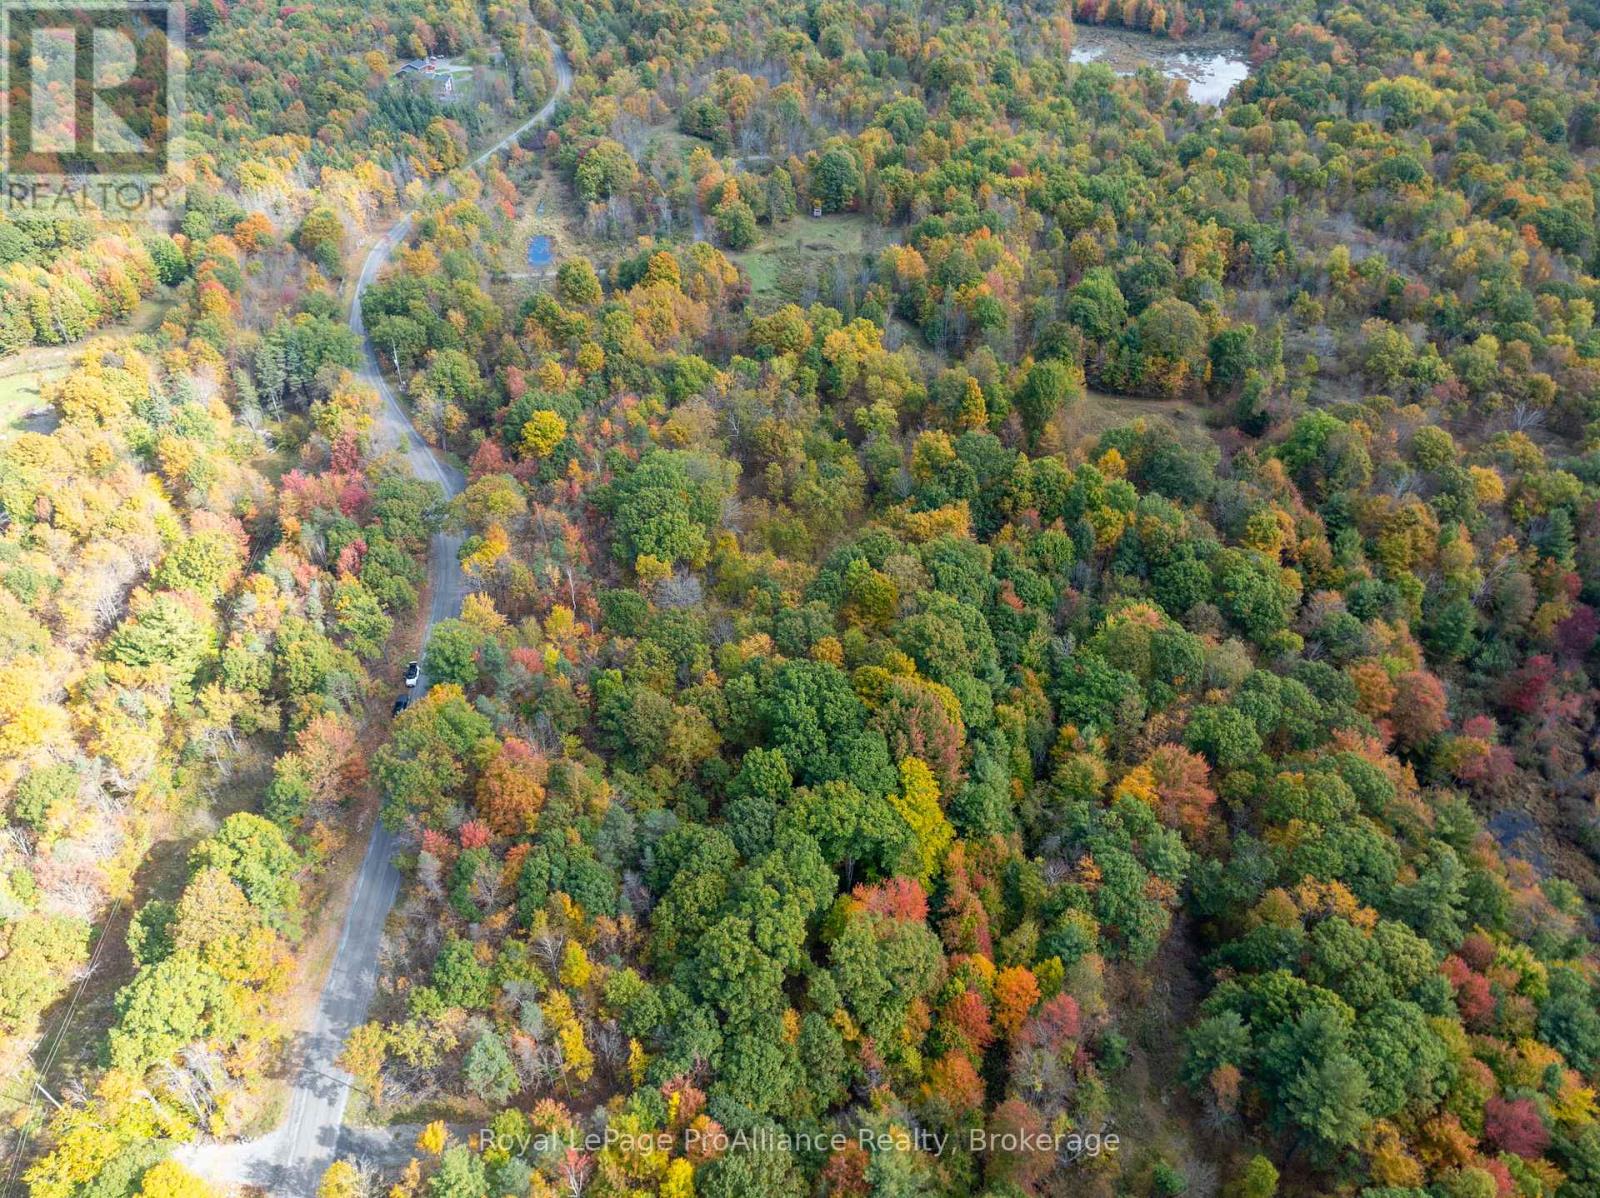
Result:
<point x="42" y="1071"/>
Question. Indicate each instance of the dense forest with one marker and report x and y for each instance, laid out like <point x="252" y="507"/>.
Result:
<point x="1025" y="635"/>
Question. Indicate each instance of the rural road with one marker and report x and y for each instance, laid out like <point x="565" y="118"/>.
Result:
<point x="289" y="1162"/>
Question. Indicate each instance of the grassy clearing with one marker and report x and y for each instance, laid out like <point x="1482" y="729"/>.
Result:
<point x="23" y="375"/>
<point x="1100" y="411"/>
<point x="546" y="212"/>
<point x="1153" y="1119"/>
<point x="364" y="1116"/>
<point x="792" y="257"/>
<point x="670" y="142"/>
<point x="22" y="407"/>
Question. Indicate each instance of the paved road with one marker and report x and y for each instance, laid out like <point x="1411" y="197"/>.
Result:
<point x="289" y="1161"/>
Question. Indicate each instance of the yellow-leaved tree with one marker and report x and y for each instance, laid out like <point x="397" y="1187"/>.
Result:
<point x="918" y="804"/>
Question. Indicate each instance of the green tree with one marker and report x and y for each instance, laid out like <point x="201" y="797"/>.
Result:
<point x="606" y="169"/>
<point x="167" y="1006"/>
<point x="736" y="224"/>
<point x="360" y="618"/>
<point x="1096" y="306"/>
<point x="813" y="717"/>
<point x="762" y="787"/>
<point x="452" y="655"/>
<point x="320" y="237"/>
<point x="836" y="179"/>
<point x="39" y="952"/>
<point x="488" y="1069"/>
<point x="1051" y="386"/>
<point x="254" y="853"/>
<point x="459" y="977"/>
<point x="1405" y="1061"/>
<point x="429" y="762"/>
<point x="163" y="631"/>
<point x="1329" y="1100"/>
<point x="881" y="966"/>
<point x="402" y="340"/>
<point x="1173" y="331"/>
<point x="461" y="1174"/>
<point x="577" y="283"/>
<point x="1259" y="1179"/>
<point x="1225" y="736"/>
<point x="1253" y="592"/>
<point x="203" y="563"/>
<point x="743" y="1173"/>
<point x="666" y="506"/>
<point x="733" y="974"/>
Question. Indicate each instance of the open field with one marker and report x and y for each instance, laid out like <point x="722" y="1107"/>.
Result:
<point x="668" y="140"/>
<point x="22" y="402"/>
<point x="546" y="212"/>
<point x="23" y="375"/>
<point x="799" y="254"/>
<point x="1100" y="411"/>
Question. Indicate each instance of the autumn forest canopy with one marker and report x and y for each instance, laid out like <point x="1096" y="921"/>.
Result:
<point x="999" y="606"/>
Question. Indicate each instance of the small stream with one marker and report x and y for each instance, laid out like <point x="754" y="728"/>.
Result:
<point x="1212" y="65"/>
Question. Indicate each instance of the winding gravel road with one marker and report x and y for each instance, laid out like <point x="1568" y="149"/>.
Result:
<point x="290" y="1161"/>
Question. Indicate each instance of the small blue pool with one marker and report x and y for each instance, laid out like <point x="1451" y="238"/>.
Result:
<point x="540" y="252"/>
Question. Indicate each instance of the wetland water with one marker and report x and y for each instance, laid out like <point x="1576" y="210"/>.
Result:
<point x="1213" y="64"/>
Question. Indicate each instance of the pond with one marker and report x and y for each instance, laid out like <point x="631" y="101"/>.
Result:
<point x="1213" y="64"/>
<point x="540" y="251"/>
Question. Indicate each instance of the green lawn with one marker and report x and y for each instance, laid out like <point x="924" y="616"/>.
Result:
<point x="20" y="398"/>
<point x="670" y="141"/>
<point x="1100" y="411"/>
<point x="778" y="263"/>
<point x="22" y="374"/>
